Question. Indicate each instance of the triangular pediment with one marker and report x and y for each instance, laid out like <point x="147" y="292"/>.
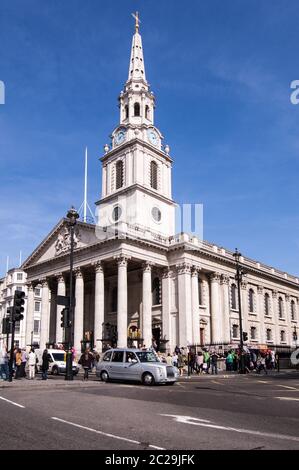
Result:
<point x="57" y="242"/>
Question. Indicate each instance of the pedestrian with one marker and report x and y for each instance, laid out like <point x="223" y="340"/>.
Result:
<point x="18" y="361"/>
<point x="214" y="358"/>
<point x="175" y="359"/>
<point x="177" y="350"/>
<point x="86" y="361"/>
<point x="207" y="361"/>
<point x="199" y="362"/>
<point x="4" y="370"/>
<point x="32" y="360"/>
<point x="169" y="359"/>
<point x="45" y="364"/>
<point x="181" y="363"/>
<point x="24" y="362"/>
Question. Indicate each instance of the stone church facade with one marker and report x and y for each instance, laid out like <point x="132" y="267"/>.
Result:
<point x="135" y="279"/>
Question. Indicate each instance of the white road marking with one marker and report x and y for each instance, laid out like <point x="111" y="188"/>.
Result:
<point x="287" y="386"/>
<point x="208" y="424"/>
<point x="12" y="402"/>
<point x="120" y="438"/>
<point x="287" y="398"/>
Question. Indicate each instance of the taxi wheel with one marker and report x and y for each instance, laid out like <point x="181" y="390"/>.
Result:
<point x="104" y="376"/>
<point x="55" y="370"/>
<point x="148" y="379"/>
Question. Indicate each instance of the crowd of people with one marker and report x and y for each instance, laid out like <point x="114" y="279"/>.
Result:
<point x="209" y="361"/>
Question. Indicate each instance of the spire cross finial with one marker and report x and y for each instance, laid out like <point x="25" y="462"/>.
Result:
<point x="137" y="20"/>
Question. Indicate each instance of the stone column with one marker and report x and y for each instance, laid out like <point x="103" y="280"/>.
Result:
<point x="275" y="321"/>
<point x="98" y="306"/>
<point x="225" y="308"/>
<point x="45" y="315"/>
<point x="195" y="306"/>
<point x="166" y="307"/>
<point x="147" y="304"/>
<point x="287" y="316"/>
<point x="30" y="314"/>
<point x="122" y="302"/>
<point x="261" y="315"/>
<point x="216" y="320"/>
<point x="184" y="293"/>
<point x="244" y="306"/>
<point x="59" y="308"/>
<point x="79" y="310"/>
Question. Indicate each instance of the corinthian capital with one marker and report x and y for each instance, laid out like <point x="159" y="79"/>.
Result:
<point x="183" y="268"/>
<point x="215" y="277"/>
<point x="78" y="273"/>
<point x="147" y="266"/>
<point x="98" y="266"/>
<point x="60" y="278"/>
<point x="224" y="279"/>
<point x="122" y="260"/>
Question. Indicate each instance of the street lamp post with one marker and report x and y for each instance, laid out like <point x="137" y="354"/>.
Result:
<point x="72" y="217"/>
<point x="238" y="277"/>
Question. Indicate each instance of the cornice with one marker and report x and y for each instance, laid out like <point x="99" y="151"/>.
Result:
<point x="130" y="143"/>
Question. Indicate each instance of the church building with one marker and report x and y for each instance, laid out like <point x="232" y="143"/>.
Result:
<point x="136" y="280"/>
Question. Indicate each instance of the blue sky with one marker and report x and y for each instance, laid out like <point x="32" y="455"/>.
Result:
<point x="221" y="73"/>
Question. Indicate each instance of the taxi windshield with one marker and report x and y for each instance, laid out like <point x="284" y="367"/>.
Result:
<point x="147" y="356"/>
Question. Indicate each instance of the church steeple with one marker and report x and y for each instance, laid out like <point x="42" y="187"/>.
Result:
<point x="136" y="101"/>
<point x="136" y="66"/>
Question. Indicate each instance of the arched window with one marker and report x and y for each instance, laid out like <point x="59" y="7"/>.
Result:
<point x="200" y="292"/>
<point x="267" y="304"/>
<point x="293" y="310"/>
<point x="154" y="175"/>
<point x="233" y="293"/>
<point x="119" y="178"/>
<point x="280" y="307"/>
<point x="147" y="112"/>
<point x="156" y="291"/>
<point x="136" y="109"/>
<point x="251" y="300"/>
<point x="282" y="336"/>
<point x="114" y="299"/>
<point x="126" y="111"/>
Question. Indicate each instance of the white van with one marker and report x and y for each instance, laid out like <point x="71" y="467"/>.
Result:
<point x="56" y="361"/>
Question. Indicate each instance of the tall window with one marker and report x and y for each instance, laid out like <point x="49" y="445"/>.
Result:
<point x="253" y="332"/>
<point x="17" y="327"/>
<point x="233" y="293"/>
<point x="251" y="300"/>
<point x="126" y="111"/>
<point x="156" y="291"/>
<point x="200" y="293"/>
<point x="19" y="276"/>
<point x="114" y="299"/>
<point x="147" y="112"/>
<point x="293" y="310"/>
<point x="154" y="175"/>
<point x="280" y="307"/>
<point x="119" y="169"/>
<point x="267" y="304"/>
<point x="136" y="109"/>
<point x="37" y="291"/>
<point x="269" y="334"/>
<point x="282" y="336"/>
<point x="235" y="331"/>
<point x="37" y="306"/>
<point x="36" y="325"/>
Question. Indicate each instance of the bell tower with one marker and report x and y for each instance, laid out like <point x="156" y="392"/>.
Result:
<point x="136" y="167"/>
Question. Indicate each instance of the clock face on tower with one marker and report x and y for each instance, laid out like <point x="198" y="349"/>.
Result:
<point x="120" y="136"/>
<point x="152" y="136"/>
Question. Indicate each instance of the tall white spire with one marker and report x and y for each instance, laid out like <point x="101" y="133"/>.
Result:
<point x="136" y="66"/>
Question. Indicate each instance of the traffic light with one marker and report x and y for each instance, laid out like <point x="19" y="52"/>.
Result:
<point x="18" y="303"/>
<point x="245" y="336"/>
<point x="64" y="318"/>
<point x="6" y="326"/>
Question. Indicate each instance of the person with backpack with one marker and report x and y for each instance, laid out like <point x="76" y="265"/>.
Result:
<point x="86" y="361"/>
